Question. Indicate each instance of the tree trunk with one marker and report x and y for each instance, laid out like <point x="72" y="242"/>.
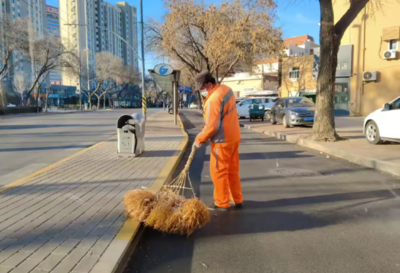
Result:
<point x="98" y="103"/>
<point x="3" y="98"/>
<point x="199" y="100"/>
<point x="45" y="106"/>
<point x="279" y="71"/>
<point x="324" y="124"/>
<point x="90" y="102"/>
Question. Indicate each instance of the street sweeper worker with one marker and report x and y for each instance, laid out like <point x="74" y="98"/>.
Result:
<point x="221" y="127"/>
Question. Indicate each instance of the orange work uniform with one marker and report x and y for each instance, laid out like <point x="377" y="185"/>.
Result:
<point x="221" y="127"/>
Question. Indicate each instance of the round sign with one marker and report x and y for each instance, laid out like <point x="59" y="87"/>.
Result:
<point x="163" y="69"/>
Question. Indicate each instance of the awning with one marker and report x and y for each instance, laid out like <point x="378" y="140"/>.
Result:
<point x="53" y="96"/>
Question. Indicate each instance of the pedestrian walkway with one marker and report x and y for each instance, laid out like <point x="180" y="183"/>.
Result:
<point x="69" y="217"/>
<point x="381" y="157"/>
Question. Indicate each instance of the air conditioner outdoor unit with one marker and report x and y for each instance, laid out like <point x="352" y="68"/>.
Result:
<point x="370" y="76"/>
<point x="390" y="54"/>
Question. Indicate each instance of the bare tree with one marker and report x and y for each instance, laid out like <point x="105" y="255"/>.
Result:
<point x="48" y="53"/>
<point x="330" y="37"/>
<point x="214" y="38"/>
<point x="20" y="85"/>
<point x="129" y="76"/>
<point x="49" y="90"/>
<point x="109" y="76"/>
<point x="14" y="38"/>
<point x="109" y="70"/>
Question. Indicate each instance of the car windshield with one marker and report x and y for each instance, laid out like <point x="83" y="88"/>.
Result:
<point x="299" y="102"/>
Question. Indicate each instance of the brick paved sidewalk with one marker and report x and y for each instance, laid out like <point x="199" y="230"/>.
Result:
<point x="67" y="218"/>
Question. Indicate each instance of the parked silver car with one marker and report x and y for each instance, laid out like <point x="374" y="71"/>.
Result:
<point x="293" y="111"/>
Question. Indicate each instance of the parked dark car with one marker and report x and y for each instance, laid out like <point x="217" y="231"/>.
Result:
<point x="293" y="111"/>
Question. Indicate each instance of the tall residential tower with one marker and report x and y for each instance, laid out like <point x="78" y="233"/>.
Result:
<point x="36" y="12"/>
<point x="93" y="26"/>
<point x="53" y="29"/>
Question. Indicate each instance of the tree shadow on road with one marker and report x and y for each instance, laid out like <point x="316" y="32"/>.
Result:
<point x="159" y="253"/>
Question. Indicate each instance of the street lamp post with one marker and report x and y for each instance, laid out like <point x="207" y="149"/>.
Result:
<point x="142" y="40"/>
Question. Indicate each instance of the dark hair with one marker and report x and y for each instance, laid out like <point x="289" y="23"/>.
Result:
<point x="203" y="78"/>
<point x="211" y="80"/>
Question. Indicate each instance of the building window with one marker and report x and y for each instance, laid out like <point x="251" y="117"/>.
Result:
<point x="393" y="44"/>
<point x="294" y="73"/>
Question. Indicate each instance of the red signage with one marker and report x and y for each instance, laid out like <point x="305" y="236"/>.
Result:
<point x="51" y="9"/>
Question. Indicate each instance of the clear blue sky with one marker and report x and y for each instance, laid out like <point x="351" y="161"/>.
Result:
<point x="295" y="17"/>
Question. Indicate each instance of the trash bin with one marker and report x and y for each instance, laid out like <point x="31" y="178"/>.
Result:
<point x="130" y="132"/>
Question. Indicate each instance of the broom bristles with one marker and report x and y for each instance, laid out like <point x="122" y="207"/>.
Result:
<point x="167" y="210"/>
<point x="162" y="210"/>
<point x="138" y="204"/>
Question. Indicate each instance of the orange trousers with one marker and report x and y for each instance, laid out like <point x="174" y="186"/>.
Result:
<point x="224" y="169"/>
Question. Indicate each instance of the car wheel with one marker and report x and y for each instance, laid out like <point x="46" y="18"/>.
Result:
<point x="267" y="114"/>
<point x="285" y="122"/>
<point x="372" y="133"/>
<point x="273" y="121"/>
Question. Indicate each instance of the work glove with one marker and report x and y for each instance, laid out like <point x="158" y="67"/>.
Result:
<point x="196" y="145"/>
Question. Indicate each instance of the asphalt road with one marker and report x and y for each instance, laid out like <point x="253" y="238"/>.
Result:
<point x="32" y="141"/>
<point x="304" y="212"/>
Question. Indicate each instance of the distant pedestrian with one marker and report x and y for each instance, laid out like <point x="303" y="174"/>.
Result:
<point x="221" y="127"/>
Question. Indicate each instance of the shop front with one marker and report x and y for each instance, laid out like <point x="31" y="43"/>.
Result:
<point x="342" y="81"/>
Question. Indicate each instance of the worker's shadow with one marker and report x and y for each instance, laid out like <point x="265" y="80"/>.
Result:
<point x="256" y="221"/>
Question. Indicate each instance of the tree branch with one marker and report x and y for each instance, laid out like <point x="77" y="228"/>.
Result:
<point x="355" y="7"/>
<point x="228" y="70"/>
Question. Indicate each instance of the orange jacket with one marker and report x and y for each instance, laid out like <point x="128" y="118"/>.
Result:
<point x="221" y="123"/>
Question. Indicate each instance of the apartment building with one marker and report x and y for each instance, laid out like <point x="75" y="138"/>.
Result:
<point x="300" y="45"/>
<point x="246" y="84"/>
<point x="53" y="21"/>
<point x="78" y="33"/>
<point x="129" y="32"/>
<point x="36" y="12"/>
<point x="375" y="36"/>
<point x="266" y="66"/>
<point x="300" y="73"/>
<point x="113" y="29"/>
<point x="53" y="29"/>
<point x="94" y="26"/>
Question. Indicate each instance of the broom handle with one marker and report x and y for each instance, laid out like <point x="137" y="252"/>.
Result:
<point x="190" y="159"/>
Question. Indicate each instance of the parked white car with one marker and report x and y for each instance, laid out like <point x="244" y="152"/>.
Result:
<point x="382" y="125"/>
<point x="193" y="105"/>
<point x="243" y="106"/>
<point x="11" y="105"/>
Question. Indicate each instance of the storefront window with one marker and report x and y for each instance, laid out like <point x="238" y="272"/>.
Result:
<point x="342" y="97"/>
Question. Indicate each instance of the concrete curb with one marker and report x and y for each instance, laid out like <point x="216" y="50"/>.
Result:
<point x="368" y="162"/>
<point x="121" y="248"/>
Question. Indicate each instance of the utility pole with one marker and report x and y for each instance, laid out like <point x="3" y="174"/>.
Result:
<point x="144" y="106"/>
<point x="87" y="52"/>
<point x="31" y="44"/>
<point x="80" y="84"/>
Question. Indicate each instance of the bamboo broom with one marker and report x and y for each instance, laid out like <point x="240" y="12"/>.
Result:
<point x="167" y="210"/>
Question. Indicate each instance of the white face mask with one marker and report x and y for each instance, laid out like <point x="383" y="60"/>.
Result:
<point x="204" y="92"/>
